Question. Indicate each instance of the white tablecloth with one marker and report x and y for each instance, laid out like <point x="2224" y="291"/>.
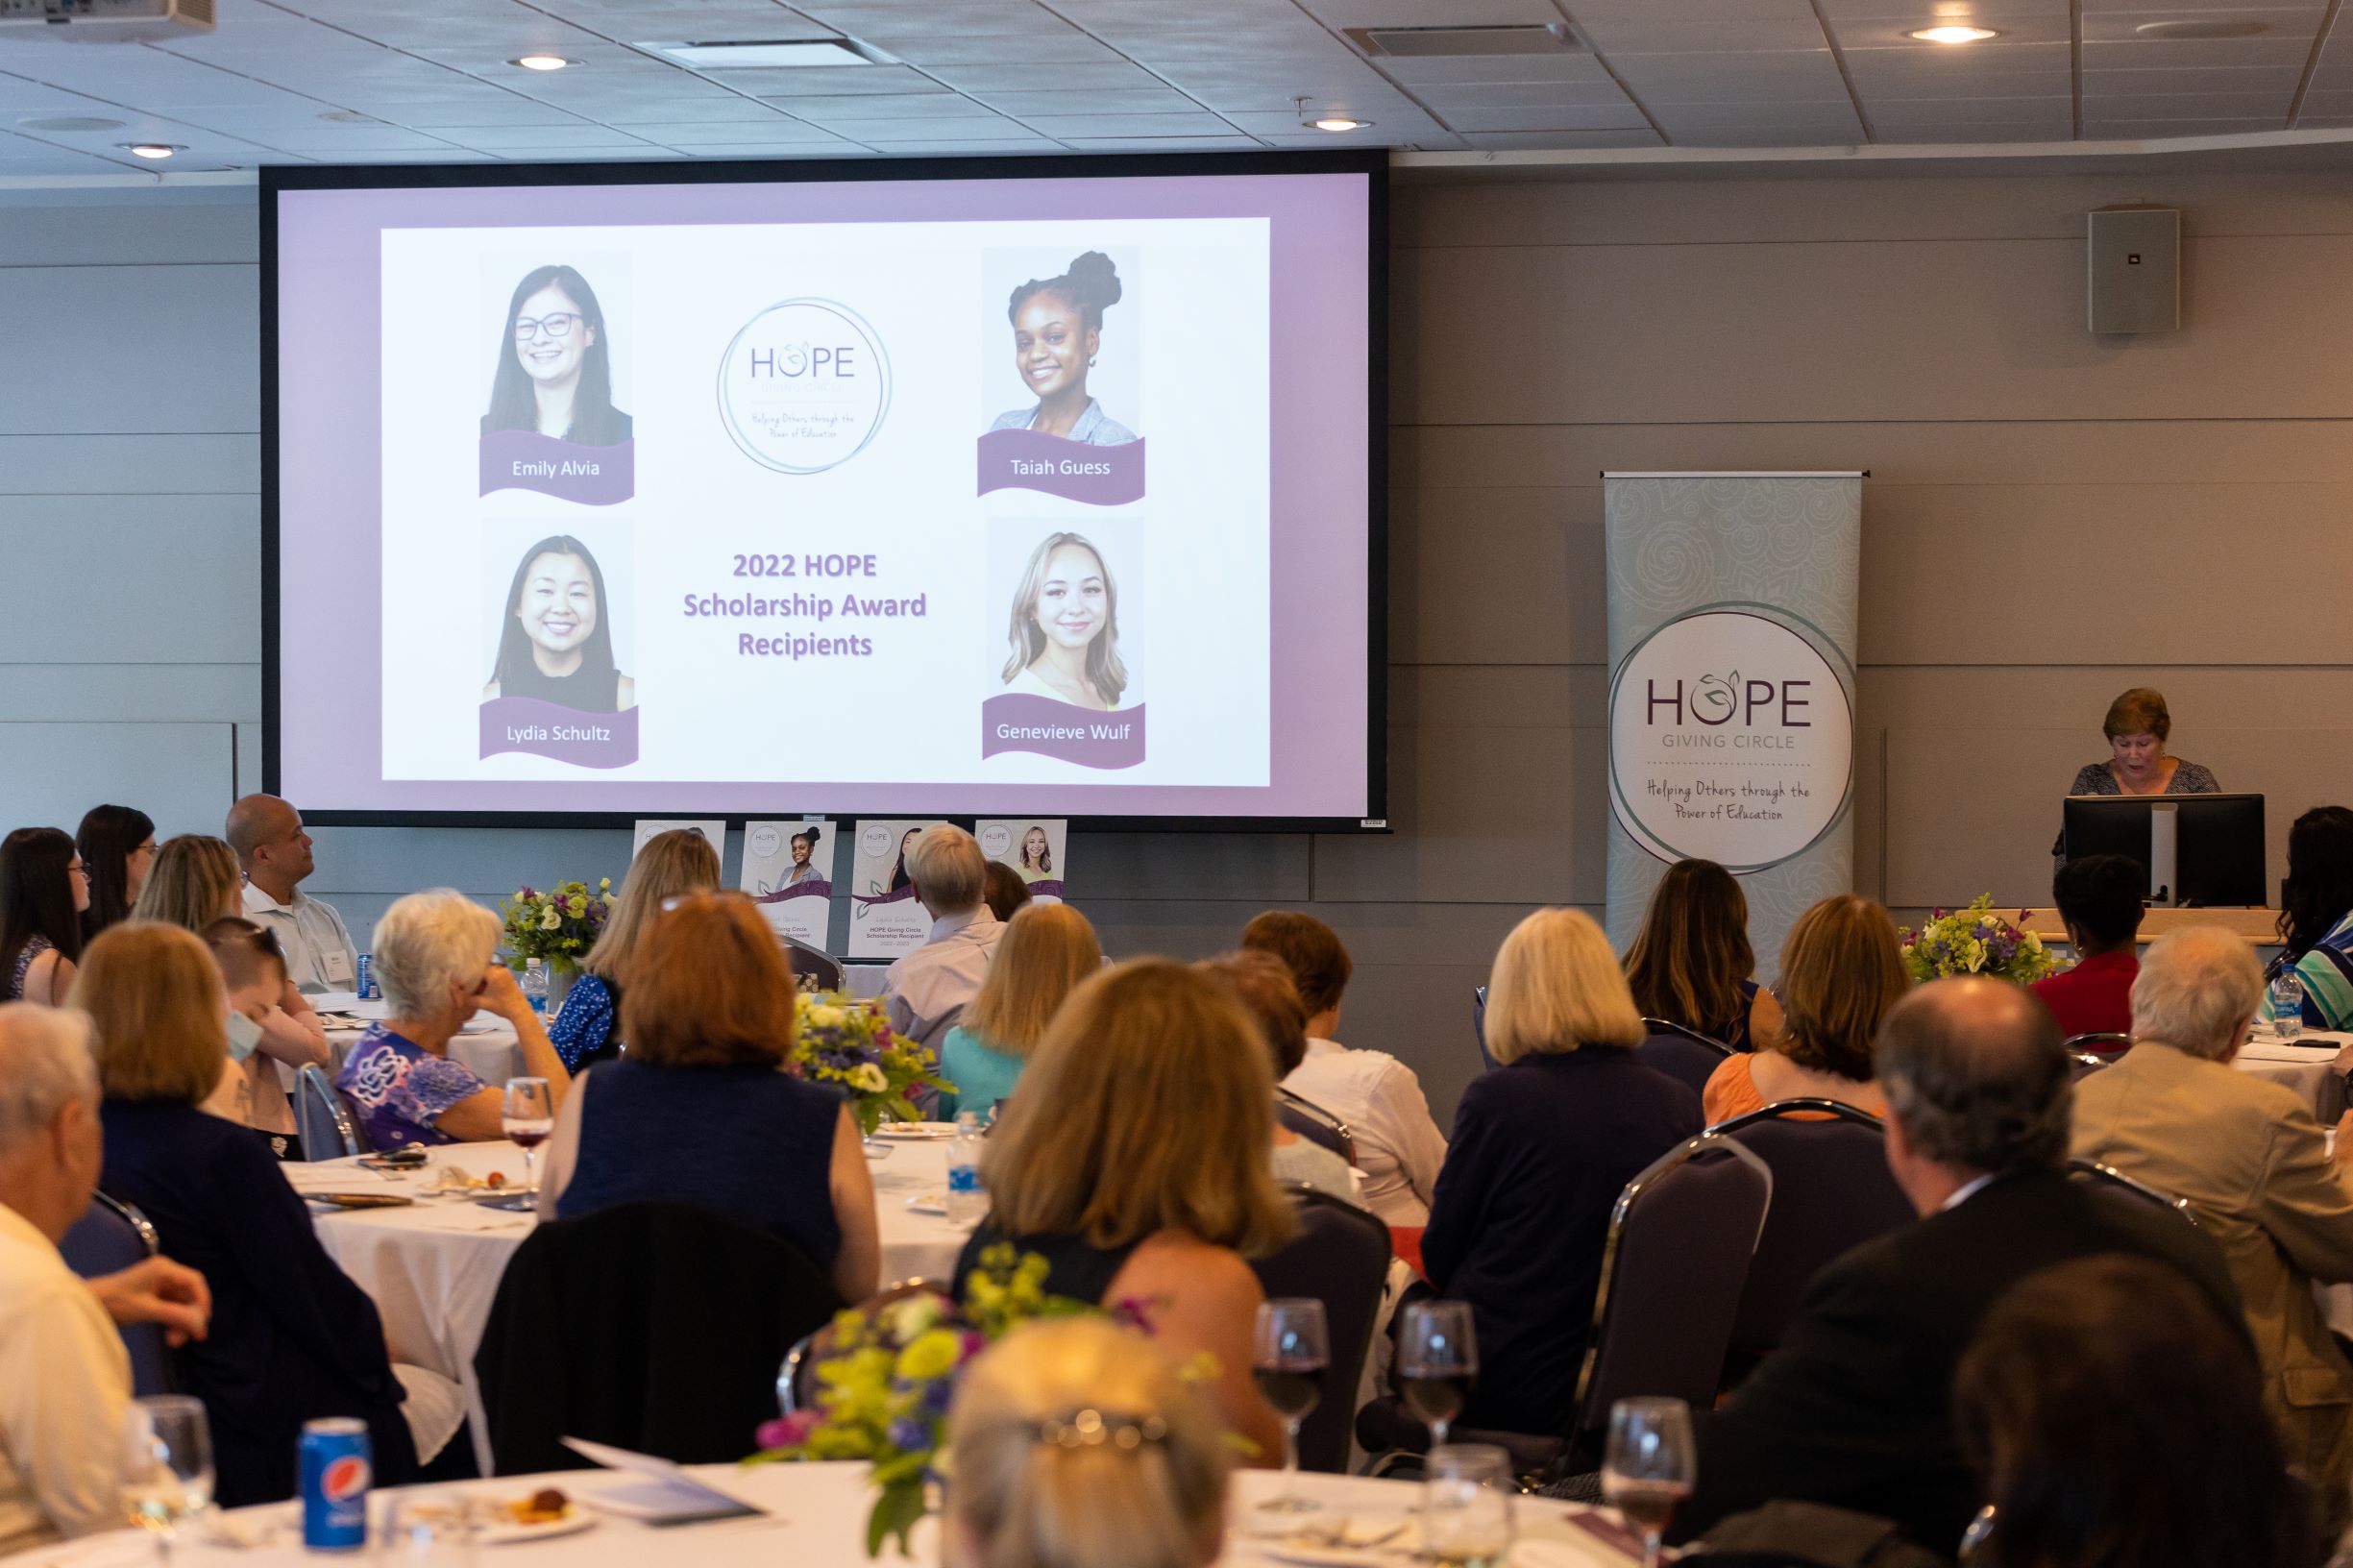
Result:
<point x="434" y="1268"/>
<point x="493" y="1054"/>
<point x="2314" y="1067"/>
<point x="817" y="1520"/>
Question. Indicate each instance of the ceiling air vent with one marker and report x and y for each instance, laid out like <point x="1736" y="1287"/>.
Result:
<point x="1425" y="42"/>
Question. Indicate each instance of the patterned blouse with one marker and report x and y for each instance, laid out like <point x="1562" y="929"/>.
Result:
<point x="34" y="946"/>
<point x="399" y="1089"/>
<point x="583" y="1025"/>
<point x="2189" y="779"/>
<point x="2326" y="969"/>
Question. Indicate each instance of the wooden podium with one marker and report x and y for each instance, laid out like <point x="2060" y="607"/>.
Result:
<point x="2260" y="926"/>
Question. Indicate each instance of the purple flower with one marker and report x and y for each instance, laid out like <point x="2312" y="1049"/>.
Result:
<point x="786" y="1431"/>
<point x="937" y="1396"/>
<point x="910" y="1436"/>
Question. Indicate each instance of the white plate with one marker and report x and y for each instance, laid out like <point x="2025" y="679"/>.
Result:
<point x="500" y="1530"/>
<point x="916" y="1130"/>
<point x="927" y="1203"/>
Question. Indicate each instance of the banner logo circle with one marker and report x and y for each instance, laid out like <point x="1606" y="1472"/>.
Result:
<point x="804" y="386"/>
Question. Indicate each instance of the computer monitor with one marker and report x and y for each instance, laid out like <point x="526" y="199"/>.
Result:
<point x="2196" y="848"/>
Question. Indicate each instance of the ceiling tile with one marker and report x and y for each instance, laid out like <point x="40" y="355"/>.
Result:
<point x="2179" y="105"/>
<point x="2301" y="22"/>
<point x="831" y="82"/>
<point x="495" y="138"/>
<point x="431" y="115"/>
<point x="757" y="151"/>
<point x="1133" y="101"/>
<point x="1978" y="132"/>
<point x="2160" y="130"/>
<point x="776" y="130"/>
<point x="978" y="128"/>
<point x="2144" y="53"/>
<point x="898" y="105"/>
<point x="1520" y="94"/>
<point x="1163" y="145"/>
<point x="1748" y="113"/>
<point x="1194" y="123"/>
<point x="1761" y="136"/>
<point x="1621" y="117"/>
<point x="1015" y="77"/>
<point x="1476" y="68"/>
<point x="1613" y="36"/>
<point x="1343" y="13"/>
<point x="1506" y="141"/>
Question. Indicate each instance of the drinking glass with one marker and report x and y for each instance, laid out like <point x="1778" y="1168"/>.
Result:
<point x="1466" y="1506"/>
<point x="527" y="1117"/>
<point x="1436" y="1363"/>
<point x="1292" y="1350"/>
<point x="167" y="1465"/>
<point x="1649" y="1465"/>
<point x="2287" y="1004"/>
<point x="426" y="1529"/>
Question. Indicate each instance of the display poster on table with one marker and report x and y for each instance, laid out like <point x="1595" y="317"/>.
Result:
<point x="788" y="869"/>
<point x="713" y="828"/>
<point x="885" y="920"/>
<point x="1733" y="613"/>
<point x="1033" y="847"/>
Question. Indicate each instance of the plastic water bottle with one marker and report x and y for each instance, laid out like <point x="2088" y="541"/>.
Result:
<point x="534" y="985"/>
<point x="967" y="1201"/>
<point x="2287" y="1004"/>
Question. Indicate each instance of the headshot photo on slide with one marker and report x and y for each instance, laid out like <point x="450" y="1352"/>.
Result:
<point x="558" y="642"/>
<point x="553" y="421"/>
<point x="1065" y="680"/>
<point x="1063" y="383"/>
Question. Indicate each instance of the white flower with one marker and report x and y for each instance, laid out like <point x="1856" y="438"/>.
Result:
<point x="826" y="1017"/>
<point x="551" y="921"/>
<point x="912" y="1316"/>
<point x="868" y="1079"/>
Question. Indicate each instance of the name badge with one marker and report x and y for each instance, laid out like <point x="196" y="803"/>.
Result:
<point x="338" y="966"/>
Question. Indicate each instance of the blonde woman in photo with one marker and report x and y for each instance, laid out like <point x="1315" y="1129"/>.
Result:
<point x="1065" y="627"/>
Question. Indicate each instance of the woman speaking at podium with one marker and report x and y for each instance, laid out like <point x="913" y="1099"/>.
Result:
<point x="2136" y="727"/>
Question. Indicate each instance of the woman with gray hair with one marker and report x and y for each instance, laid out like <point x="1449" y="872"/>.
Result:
<point x="436" y="958"/>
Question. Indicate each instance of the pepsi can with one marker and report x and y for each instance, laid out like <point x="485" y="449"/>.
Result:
<point x="335" y="1477"/>
<point x="367" y="985"/>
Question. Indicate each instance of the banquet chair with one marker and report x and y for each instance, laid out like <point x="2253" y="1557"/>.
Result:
<point x="1479" y="1027"/>
<point x="656" y="1327"/>
<point x="1315" y="1124"/>
<point x="797" y="1377"/>
<point x="110" y="1236"/>
<point x="2109" y="1179"/>
<point x="1831" y="1193"/>
<point x="2103" y="1042"/>
<point x="1340" y="1256"/>
<point x="320" y="1119"/>
<point x="1685" y="1055"/>
<point x="811" y="964"/>
<point x="2079" y="1064"/>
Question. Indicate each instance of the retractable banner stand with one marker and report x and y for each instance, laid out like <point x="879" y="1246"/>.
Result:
<point x="1732" y="688"/>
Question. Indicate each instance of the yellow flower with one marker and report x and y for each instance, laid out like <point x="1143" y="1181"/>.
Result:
<point x="932" y="1354"/>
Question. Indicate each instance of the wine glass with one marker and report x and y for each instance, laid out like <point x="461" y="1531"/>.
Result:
<point x="1436" y="1363"/>
<point x="1290" y="1354"/>
<point x="1466" y="1504"/>
<point x="527" y="1117"/>
<point x="426" y="1529"/>
<point x="167" y="1465"/>
<point x="1649" y="1465"/>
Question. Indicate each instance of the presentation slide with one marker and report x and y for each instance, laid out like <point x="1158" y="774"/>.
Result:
<point x="971" y="496"/>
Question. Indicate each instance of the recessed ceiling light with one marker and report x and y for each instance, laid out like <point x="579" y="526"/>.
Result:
<point x="1337" y="122"/>
<point x="2197" y="27"/>
<point x="70" y="122"/>
<point x="156" y="150"/>
<point x="751" y="54"/>
<point x="1953" y="32"/>
<point x="542" y="63"/>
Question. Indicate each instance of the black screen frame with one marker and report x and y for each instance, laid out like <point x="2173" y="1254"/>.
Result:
<point x="2214" y="840"/>
<point x="275" y="178"/>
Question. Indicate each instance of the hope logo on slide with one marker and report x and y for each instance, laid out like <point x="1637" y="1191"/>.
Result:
<point x="804" y="386"/>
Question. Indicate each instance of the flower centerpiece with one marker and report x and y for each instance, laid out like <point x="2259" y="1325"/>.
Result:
<point x="847" y="1042"/>
<point x="557" y="926"/>
<point x="885" y="1375"/>
<point x="1974" y="941"/>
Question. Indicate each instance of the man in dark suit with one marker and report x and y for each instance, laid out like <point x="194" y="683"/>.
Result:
<point x="1855" y="1409"/>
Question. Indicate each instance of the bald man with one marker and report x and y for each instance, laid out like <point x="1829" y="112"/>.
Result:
<point x="270" y="844"/>
<point x="1855" y="1409"/>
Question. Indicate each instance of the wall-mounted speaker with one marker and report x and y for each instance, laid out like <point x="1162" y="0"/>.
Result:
<point x="2135" y="269"/>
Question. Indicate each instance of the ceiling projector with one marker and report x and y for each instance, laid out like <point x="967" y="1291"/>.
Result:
<point x="102" y="21"/>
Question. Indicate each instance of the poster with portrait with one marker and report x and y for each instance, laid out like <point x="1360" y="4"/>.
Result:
<point x="1062" y="378"/>
<point x="885" y="920"/>
<point x="1064" y="666"/>
<point x="557" y="642"/>
<point x="788" y="869"/>
<point x="713" y="828"/>
<point x="556" y="390"/>
<point x="1033" y="847"/>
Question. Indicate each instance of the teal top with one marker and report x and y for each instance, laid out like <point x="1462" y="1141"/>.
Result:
<point x="982" y="1074"/>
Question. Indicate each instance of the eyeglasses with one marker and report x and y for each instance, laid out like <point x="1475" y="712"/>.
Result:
<point x="559" y="325"/>
<point x="77" y="868"/>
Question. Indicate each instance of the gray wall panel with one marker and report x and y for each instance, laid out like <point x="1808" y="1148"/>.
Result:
<point x="132" y="348"/>
<point x="176" y="772"/>
<point x="118" y="465"/>
<point x="131" y="580"/>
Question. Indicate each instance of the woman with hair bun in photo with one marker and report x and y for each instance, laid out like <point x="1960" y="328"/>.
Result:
<point x="1056" y="334"/>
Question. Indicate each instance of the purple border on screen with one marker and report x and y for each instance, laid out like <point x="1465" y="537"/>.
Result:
<point x="330" y="483"/>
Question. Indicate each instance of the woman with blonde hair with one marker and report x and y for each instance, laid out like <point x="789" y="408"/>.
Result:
<point x="671" y="866"/>
<point x="1134" y="1160"/>
<point x="1076" y="1444"/>
<point x="1692" y="964"/>
<point x="291" y="1338"/>
<point x="1045" y="951"/>
<point x="1841" y="970"/>
<point x="1541" y="1149"/>
<point x="194" y="881"/>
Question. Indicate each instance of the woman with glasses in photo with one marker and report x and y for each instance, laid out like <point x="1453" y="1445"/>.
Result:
<point x="555" y="373"/>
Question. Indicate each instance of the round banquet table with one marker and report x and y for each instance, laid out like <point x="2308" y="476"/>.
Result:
<point x="816" y="1518"/>
<point x="432" y="1268"/>
<point x="2313" y="1064"/>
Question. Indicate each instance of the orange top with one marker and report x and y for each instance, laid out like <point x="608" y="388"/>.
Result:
<point x="1732" y="1091"/>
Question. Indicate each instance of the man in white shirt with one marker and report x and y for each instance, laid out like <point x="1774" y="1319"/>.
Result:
<point x="65" y="1376"/>
<point x="268" y="838"/>
<point x="926" y="990"/>
<point x="1399" y="1147"/>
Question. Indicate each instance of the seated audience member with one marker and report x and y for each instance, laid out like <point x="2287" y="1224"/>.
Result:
<point x="1077" y="1445"/>
<point x="64" y="1377"/>
<point x="275" y="853"/>
<point x="2248" y="1156"/>
<point x="1855" y="1409"/>
<point x="701" y="1112"/>
<point x="43" y="891"/>
<point x="671" y="866"/>
<point x="1047" y="950"/>
<point x="193" y="882"/>
<point x="2315" y="917"/>
<point x="283" y="1027"/>
<point x="1841" y="970"/>
<point x="292" y="1337"/>
<point x="2113" y="1417"/>
<point x="1004" y="892"/>
<point x="1542" y="1147"/>
<point x="119" y="846"/>
<point x="1692" y="964"/>
<point x="2099" y="900"/>
<point x="926" y="990"/>
<point x="1265" y="986"/>
<point x="435" y="959"/>
<point x="1399" y="1147"/>
<point x="1167" y="1189"/>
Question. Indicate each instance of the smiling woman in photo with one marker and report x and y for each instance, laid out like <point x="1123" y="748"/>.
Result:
<point x="1057" y="334"/>
<point x="556" y="641"/>
<point x="1064" y="630"/>
<point x="555" y="373"/>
